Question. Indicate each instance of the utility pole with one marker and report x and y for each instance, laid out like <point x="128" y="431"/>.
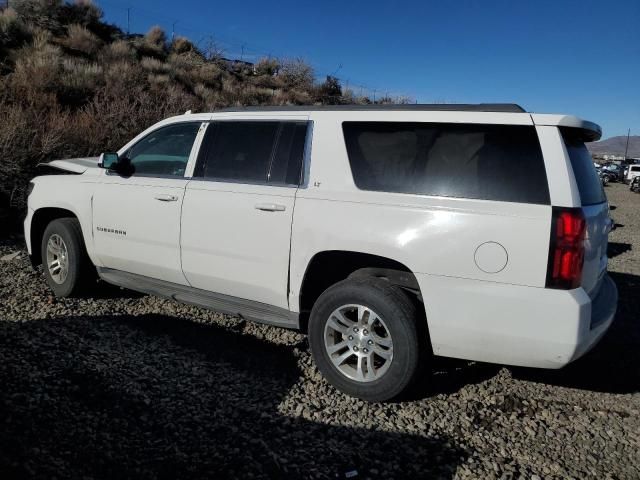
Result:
<point x="626" y="149"/>
<point x="173" y="30"/>
<point x="242" y="52"/>
<point x="128" y="18"/>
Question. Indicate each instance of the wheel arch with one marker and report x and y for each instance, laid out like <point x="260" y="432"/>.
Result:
<point x="328" y="267"/>
<point x="41" y="218"/>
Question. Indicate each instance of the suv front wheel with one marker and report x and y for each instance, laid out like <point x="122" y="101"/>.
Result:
<point x="67" y="266"/>
<point x="363" y="338"/>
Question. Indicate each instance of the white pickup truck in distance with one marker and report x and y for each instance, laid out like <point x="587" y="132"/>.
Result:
<point x="389" y="234"/>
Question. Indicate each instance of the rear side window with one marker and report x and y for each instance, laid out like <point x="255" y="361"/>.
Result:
<point x="253" y="152"/>
<point x="490" y="162"/>
<point x="589" y="184"/>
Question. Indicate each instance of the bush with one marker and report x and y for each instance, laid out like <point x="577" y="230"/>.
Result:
<point x="153" y="44"/>
<point x="80" y="39"/>
<point x="183" y="45"/>
<point x="120" y="50"/>
<point x="296" y="74"/>
<point x="13" y="32"/>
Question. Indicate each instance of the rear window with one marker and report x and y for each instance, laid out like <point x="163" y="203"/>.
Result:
<point x="589" y="183"/>
<point x="490" y="162"/>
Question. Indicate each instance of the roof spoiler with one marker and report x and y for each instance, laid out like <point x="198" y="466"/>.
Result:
<point x="588" y="131"/>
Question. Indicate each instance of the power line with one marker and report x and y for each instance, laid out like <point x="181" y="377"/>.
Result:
<point x="247" y="50"/>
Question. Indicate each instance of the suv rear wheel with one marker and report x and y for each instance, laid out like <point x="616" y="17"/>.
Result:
<point x="67" y="266"/>
<point x="364" y="339"/>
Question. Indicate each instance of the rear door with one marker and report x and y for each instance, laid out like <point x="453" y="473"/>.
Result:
<point x="595" y="209"/>
<point x="238" y="209"/>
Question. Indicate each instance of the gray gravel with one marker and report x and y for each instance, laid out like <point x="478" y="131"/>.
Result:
<point x="125" y="385"/>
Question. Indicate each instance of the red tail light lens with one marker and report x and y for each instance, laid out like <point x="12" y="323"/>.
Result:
<point x="566" y="249"/>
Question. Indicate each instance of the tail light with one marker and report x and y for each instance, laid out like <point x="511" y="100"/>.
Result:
<point x="566" y="248"/>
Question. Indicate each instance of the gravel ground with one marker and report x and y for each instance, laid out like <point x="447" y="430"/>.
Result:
<point x="125" y="385"/>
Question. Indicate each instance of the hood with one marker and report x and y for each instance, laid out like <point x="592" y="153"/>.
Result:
<point x="73" y="165"/>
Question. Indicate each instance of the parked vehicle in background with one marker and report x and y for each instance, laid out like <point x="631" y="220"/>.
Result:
<point x="615" y="171"/>
<point x="635" y="184"/>
<point x="388" y="233"/>
<point x="633" y="172"/>
<point x="604" y="177"/>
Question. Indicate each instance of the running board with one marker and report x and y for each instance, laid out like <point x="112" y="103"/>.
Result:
<point x="256" y="311"/>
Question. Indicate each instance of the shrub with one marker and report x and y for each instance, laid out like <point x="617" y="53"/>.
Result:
<point x="330" y="91"/>
<point x="153" y="44"/>
<point x="36" y="72"/>
<point x="296" y="74"/>
<point x="267" y="66"/>
<point x="120" y="50"/>
<point x="13" y="32"/>
<point x="183" y="45"/>
<point x="154" y="65"/>
<point x="80" y="39"/>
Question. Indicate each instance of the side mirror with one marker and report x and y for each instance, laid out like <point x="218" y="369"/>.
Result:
<point x="108" y="160"/>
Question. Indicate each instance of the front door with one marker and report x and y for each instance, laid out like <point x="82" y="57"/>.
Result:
<point x="238" y="209"/>
<point x="136" y="218"/>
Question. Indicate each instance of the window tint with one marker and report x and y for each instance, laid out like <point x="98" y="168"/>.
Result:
<point x="165" y="151"/>
<point x="286" y="167"/>
<point x="491" y="162"/>
<point x="254" y="152"/>
<point x="589" y="184"/>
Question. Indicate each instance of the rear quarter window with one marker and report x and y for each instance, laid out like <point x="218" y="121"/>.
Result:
<point x="489" y="162"/>
<point x="589" y="183"/>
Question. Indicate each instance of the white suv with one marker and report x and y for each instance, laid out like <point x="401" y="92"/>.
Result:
<point x="389" y="233"/>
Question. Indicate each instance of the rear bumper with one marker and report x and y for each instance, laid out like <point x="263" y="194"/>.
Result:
<point x="514" y="325"/>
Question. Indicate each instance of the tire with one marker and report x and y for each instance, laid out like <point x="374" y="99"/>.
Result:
<point x="394" y="313"/>
<point x="66" y="236"/>
<point x="605" y="179"/>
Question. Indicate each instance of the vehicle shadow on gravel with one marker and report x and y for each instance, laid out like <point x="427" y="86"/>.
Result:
<point x="612" y="365"/>
<point x="161" y="397"/>
<point x="615" y="248"/>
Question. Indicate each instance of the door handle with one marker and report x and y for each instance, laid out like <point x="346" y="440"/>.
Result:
<point x="163" y="197"/>
<point x="270" y="207"/>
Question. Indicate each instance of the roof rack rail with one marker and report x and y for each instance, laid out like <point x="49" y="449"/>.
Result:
<point x="445" y="107"/>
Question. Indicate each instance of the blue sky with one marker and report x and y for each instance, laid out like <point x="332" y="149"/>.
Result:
<point x="564" y="56"/>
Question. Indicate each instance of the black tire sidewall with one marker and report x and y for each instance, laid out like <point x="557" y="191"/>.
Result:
<point x="75" y="252"/>
<point x="399" y="315"/>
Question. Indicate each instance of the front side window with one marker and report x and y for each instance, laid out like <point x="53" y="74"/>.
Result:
<point x="164" y="152"/>
<point x="489" y="162"/>
<point x="267" y="152"/>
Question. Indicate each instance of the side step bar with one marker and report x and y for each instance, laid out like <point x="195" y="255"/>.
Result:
<point x="256" y="311"/>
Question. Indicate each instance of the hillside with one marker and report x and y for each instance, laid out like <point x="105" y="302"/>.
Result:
<point x="616" y="146"/>
<point x="72" y="85"/>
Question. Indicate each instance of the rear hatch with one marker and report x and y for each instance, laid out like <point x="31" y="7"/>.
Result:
<point x="595" y="209"/>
